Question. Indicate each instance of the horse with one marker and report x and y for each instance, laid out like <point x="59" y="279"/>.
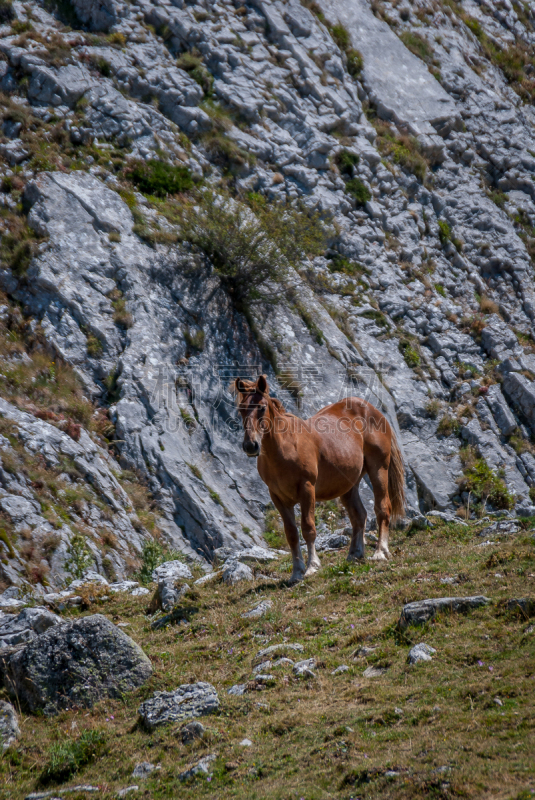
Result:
<point x="321" y="458"/>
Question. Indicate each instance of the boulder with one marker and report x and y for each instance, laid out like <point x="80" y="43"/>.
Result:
<point x="305" y="669"/>
<point x="25" y="626"/>
<point x="247" y="555"/>
<point x="420" y="652"/>
<point x="201" y="768"/>
<point x="9" y="725"/>
<point x="75" y="664"/>
<point x="258" y="611"/>
<point x="235" y="571"/>
<point x="189" y="700"/>
<point x="171" y="570"/>
<point x="421" y="611"/>
<point x="332" y="541"/>
<point x="191" y="731"/>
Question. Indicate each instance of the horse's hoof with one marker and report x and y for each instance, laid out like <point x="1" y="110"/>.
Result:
<point x="311" y="570"/>
<point x="355" y="557"/>
<point x="381" y="555"/>
<point x="295" y="577"/>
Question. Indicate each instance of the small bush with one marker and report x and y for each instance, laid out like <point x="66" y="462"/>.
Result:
<point x="486" y="484"/>
<point x="355" y="62"/>
<point x="152" y="556"/>
<point x="66" y="758"/>
<point x="93" y="346"/>
<point x="346" y="160"/>
<point x="488" y="306"/>
<point x="341" y="264"/>
<point x="79" y="557"/>
<point x="251" y="248"/>
<point x="417" y="44"/>
<point x="359" y="191"/>
<point x="448" y="425"/>
<point x="6" y="11"/>
<point x="159" y="178"/>
<point x="432" y="408"/>
<point x="114" y="236"/>
<point x="192" y="63"/>
<point x="444" y="231"/>
<point x="440" y="289"/>
<point x="532" y="494"/>
<point x="194" y="339"/>
<point x="409" y="353"/>
<point x="377" y="316"/>
<point x="404" y="150"/>
<point x="117" y="39"/>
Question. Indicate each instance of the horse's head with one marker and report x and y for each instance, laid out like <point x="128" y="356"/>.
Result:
<point x="253" y="405"/>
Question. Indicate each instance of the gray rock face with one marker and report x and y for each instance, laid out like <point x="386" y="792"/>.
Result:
<point x="189" y="700"/>
<point x="420" y="652"/>
<point x="25" y="626"/>
<point x="9" y="725"/>
<point x="99" y="15"/>
<point x="422" y="611"/>
<point x="75" y="664"/>
<point x="172" y="571"/>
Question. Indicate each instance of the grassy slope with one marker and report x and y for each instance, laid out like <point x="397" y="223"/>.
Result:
<point x="334" y="736"/>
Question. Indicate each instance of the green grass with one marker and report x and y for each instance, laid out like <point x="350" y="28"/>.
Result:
<point x="67" y="757"/>
<point x="159" y="178"/>
<point x="358" y="190"/>
<point x="348" y="730"/>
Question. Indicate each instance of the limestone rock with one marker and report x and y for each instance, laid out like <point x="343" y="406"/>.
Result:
<point x="25" y="626"/>
<point x="9" y="725"/>
<point x="420" y="652"/>
<point x="201" y="768"/>
<point x="189" y="700"/>
<point x="75" y="664"/>
<point x="423" y="610"/>
<point x="259" y="610"/>
<point x="235" y="572"/>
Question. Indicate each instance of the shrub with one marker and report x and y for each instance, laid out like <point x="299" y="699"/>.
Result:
<point x="404" y="150"/>
<point x="194" y="340"/>
<point x="416" y="43"/>
<point x="486" y="484"/>
<point x="250" y="251"/>
<point x="6" y="11"/>
<point x="377" y="316"/>
<point x="440" y="289"/>
<point x="359" y="191"/>
<point x="432" y="408"/>
<point x="448" y="425"/>
<point x="159" y="178"/>
<point x="79" y="557"/>
<point x="409" y="353"/>
<point x="341" y="264"/>
<point x="532" y="494"/>
<point x="192" y="63"/>
<point x="93" y="346"/>
<point x="346" y="160"/>
<point x="488" y="306"/>
<point x="151" y="557"/>
<point x="444" y="231"/>
<point x="355" y="62"/>
<point x="341" y="36"/>
<point x="67" y="757"/>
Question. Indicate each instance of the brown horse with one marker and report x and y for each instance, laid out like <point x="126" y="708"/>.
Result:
<point x="321" y="458"/>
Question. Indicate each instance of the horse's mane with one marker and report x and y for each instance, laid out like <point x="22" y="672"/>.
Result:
<point x="250" y="388"/>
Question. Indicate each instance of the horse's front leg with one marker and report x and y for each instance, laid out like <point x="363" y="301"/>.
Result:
<point x="308" y="526"/>
<point x="292" y="537"/>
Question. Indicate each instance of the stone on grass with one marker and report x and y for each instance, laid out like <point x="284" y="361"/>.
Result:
<point x="305" y="669"/>
<point x="235" y="571"/>
<point x="211" y="576"/>
<point x="140" y="592"/>
<point x="26" y="625"/>
<point x="9" y="725"/>
<point x="258" y="611"/>
<point x="191" y="731"/>
<point x="420" y="652"/>
<point x="189" y="700"/>
<point x="249" y="554"/>
<point x="421" y="611"/>
<point x="75" y="664"/>
<point x="273" y="648"/>
<point x="144" y="769"/>
<point x="238" y="689"/>
<point x="246" y="743"/>
<point x="201" y="768"/>
<point x="265" y="680"/>
<point x="524" y="605"/>
<point x="374" y="672"/>
<point x="126" y="791"/>
<point x="339" y="670"/>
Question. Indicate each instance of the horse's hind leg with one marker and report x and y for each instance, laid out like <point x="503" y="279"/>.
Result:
<point x="292" y="537"/>
<point x="308" y="526"/>
<point x="379" y="480"/>
<point x="357" y="516"/>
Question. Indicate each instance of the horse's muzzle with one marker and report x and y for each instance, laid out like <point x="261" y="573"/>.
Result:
<point x="251" y="448"/>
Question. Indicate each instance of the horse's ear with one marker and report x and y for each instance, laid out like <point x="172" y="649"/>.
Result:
<point x="262" y="385"/>
<point x="240" y="386"/>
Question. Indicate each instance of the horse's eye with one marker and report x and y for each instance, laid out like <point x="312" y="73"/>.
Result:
<point x="261" y="411"/>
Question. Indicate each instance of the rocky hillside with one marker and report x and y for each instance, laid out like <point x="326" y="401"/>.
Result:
<point x="338" y="194"/>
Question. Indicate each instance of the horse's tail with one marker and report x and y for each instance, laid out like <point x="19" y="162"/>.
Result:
<point x="396" y="480"/>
